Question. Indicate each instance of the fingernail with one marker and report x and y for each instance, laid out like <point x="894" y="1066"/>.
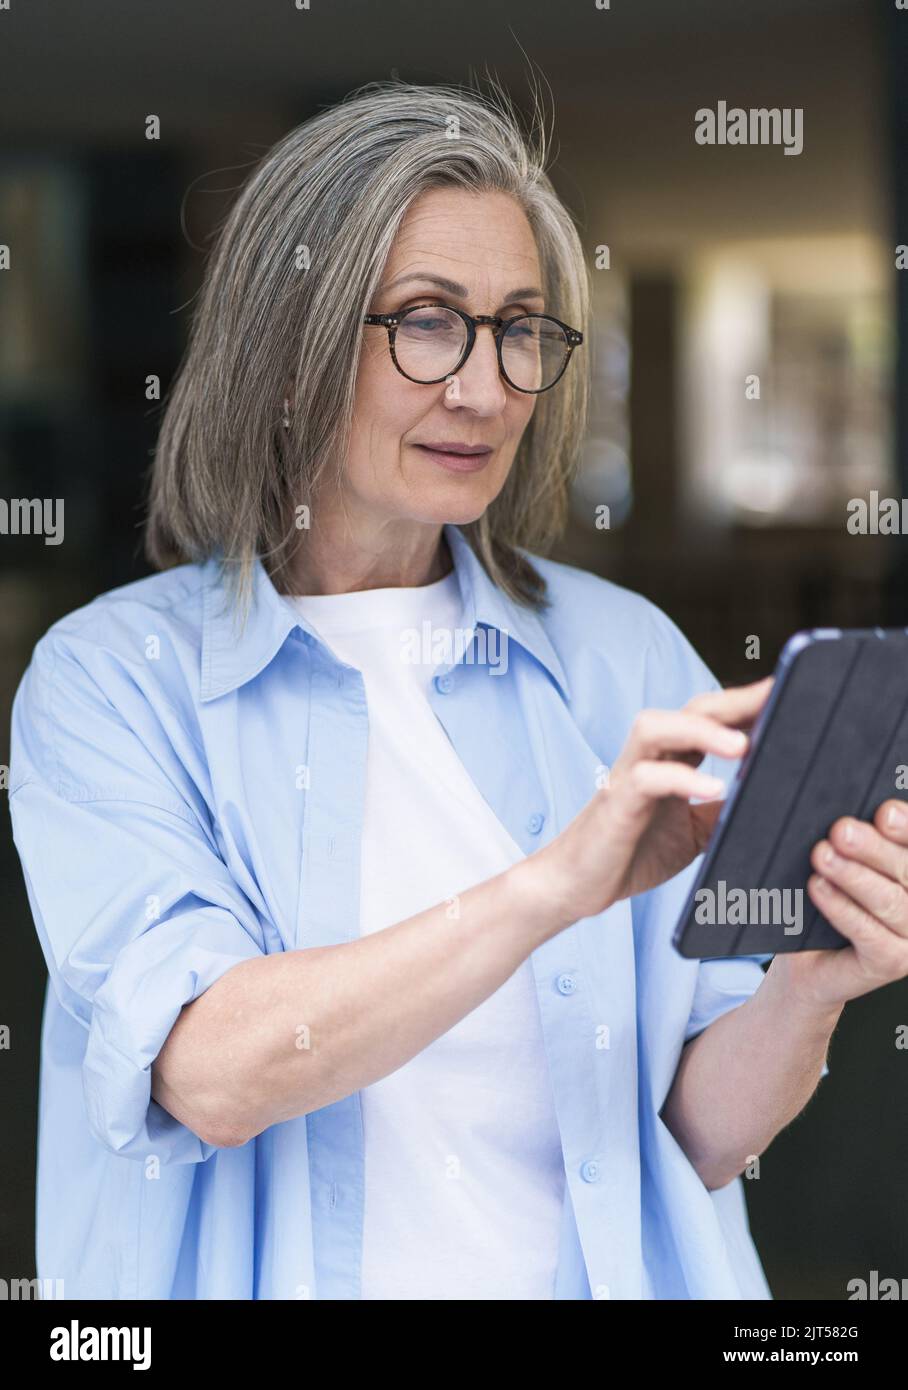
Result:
<point x="895" y="818"/>
<point x="848" y="832"/>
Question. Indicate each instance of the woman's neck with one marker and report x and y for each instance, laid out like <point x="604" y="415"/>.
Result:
<point x="337" y="562"/>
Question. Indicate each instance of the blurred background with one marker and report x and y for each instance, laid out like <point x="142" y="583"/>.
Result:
<point x="749" y="359"/>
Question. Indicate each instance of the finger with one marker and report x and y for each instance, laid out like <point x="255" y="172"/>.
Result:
<point x="891" y="819"/>
<point x="656" y="732"/>
<point x="881" y="954"/>
<point x="738" y="705"/>
<point x="646" y="782"/>
<point x="878" y="894"/>
<point x="704" y="815"/>
<point x="858" y="840"/>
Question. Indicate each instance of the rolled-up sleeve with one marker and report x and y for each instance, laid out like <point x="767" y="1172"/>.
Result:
<point x="721" y="985"/>
<point x="136" y="912"/>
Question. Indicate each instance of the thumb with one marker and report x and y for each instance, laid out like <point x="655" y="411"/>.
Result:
<point x="703" y="819"/>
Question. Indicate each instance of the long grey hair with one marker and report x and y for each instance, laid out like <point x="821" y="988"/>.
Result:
<point x="226" y="478"/>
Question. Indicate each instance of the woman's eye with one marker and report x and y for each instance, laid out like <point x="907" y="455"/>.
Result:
<point x="423" y="322"/>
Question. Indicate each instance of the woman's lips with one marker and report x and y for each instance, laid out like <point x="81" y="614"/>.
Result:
<point x="456" y="463"/>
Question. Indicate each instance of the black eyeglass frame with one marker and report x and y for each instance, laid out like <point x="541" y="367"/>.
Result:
<point x="392" y="322"/>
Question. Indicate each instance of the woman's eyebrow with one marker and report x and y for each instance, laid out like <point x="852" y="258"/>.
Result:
<point x="453" y="287"/>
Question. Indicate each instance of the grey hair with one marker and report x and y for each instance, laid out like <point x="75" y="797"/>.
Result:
<point x="226" y="478"/>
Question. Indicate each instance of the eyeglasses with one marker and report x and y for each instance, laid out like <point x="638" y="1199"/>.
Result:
<point x="431" y="342"/>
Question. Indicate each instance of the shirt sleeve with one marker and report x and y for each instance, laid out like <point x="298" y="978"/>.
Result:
<point x="721" y="985"/>
<point x="136" y="912"/>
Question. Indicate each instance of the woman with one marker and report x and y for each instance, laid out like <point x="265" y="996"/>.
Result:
<point x="355" y="837"/>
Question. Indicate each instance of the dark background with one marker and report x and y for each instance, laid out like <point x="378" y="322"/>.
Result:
<point x="728" y="513"/>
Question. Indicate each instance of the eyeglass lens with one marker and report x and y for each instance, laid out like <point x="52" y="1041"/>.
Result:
<point x="430" y="341"/>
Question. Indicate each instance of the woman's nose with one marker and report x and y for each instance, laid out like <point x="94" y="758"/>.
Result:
<point x="479" y="383"/>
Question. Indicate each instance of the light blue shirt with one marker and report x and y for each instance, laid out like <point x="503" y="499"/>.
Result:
<point x="184" y="799"/>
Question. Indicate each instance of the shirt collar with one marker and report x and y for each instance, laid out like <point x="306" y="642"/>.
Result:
<point x="231" y="658"/>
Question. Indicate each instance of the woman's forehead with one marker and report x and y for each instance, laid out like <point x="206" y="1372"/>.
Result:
<point x="455" y="236"/>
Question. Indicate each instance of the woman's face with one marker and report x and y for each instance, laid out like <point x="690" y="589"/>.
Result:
<point x="483" y="243"/>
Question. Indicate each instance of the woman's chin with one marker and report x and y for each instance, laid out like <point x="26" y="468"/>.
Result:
<point x="458" y="505"/>
<point x="460" y="513"/>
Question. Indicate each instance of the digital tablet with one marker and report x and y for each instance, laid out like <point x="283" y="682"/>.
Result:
<point x="831" y="741"/>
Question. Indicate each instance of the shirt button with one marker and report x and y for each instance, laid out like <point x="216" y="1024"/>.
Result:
<point x="589" y="1171"/>
<point x="535" y="822"/>
<point x="444" y="683"/>
<point x="566" y="984"/>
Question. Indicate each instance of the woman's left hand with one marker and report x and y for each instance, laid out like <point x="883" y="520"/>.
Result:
<point x="863" y="892"/>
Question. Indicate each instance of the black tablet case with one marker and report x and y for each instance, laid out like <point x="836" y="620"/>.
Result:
<point x="828" y="744"/>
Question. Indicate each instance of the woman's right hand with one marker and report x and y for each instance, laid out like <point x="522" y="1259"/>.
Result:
<point x="640" y="829"/>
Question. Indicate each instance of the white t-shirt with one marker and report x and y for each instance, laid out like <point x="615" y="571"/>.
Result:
<point x="463" y="1165"/>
